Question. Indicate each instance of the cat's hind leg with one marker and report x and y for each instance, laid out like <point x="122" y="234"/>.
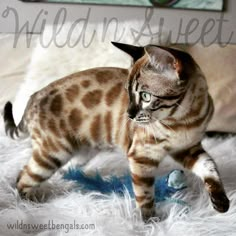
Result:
<point x="201" y="164"/>
<point x="48" y="155"/>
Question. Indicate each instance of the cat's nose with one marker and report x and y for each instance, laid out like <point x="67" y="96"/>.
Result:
<point x="131" y="116"/>
<point x="132" y="112"/>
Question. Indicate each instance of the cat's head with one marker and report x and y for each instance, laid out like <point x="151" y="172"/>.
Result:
<point x="158" y="79"/>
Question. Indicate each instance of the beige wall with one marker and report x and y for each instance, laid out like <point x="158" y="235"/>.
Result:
<point x="172" y="18"/>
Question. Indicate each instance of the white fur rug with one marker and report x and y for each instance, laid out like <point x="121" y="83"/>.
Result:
<point x="111" y="215"/>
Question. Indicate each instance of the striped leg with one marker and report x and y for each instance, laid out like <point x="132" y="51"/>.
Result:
<point x="197" y="160"/>
<point x="143" y="171"/>
<point x="43" y="164"/>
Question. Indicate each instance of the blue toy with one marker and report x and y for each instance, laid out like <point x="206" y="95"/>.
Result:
<point x="165" y="186"/>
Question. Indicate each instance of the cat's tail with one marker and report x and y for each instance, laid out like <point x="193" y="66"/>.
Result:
<point x="11" y="129"/>
<point x="219" y="134"/>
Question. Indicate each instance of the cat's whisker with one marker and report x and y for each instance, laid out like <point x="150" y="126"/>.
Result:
<point x="126" y="119"/>
<point x="123" y="126"/>
<point x="167" y="126"/>
<point x="148" y="131"/>
<point x="124" y="115"/>
<point x="153" y="132"/>
<point x="181" y="106"/>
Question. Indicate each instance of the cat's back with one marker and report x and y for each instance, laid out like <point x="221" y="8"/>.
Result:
<point x="87" y="103"/>
<point x="89" y="84"/>
<point x="96" y="77"/>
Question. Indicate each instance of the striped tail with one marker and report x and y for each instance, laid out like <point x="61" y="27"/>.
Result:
<point x="11" y="129"/>
<point x="219" y="134"/>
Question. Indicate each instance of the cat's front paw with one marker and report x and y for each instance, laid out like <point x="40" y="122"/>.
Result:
<point x="25" y="192"/>
<point x="220" y="201"/>
<point x="35" y="194"/>
<point x="148" y="215"/>
<point x="23" y="189"/>
<point x="217" y="194"/>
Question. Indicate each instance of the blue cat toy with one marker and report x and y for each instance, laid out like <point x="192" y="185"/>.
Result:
<point x="165" y="186"/>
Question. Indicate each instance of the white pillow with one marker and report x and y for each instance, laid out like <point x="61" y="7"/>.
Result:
<point x="53" y="62"/>
<point x="14" y="62"/>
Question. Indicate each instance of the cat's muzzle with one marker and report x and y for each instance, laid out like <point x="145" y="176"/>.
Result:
<point x="132" y="111"/>
<point x="142" y="118"/>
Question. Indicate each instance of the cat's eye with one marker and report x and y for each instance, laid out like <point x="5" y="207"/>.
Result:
<point x="146" y="97"/>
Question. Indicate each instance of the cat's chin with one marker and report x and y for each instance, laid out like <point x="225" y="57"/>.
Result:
<point x="142" y="123"/>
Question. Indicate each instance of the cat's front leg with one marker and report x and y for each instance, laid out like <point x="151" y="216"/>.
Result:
<point x="201" y="164"/>
<point x="143" y="187"/>
<point x="143" y="170"/>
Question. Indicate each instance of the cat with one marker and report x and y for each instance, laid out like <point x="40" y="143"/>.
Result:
<point x="159" y="107"/>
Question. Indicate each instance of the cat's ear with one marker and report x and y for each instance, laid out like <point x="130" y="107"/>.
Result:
<point x="134" y="51"/>
<point x="167" y="57"/>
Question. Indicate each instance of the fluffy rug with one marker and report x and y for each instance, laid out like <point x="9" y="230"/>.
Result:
<point x="66" y="211"/>
<point x="80" y="213"/>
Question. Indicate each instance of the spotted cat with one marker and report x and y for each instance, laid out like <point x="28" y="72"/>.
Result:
<point x="159" y="107"/>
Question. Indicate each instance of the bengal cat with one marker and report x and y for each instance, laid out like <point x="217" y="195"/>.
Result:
<point x="159" y="107"/>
